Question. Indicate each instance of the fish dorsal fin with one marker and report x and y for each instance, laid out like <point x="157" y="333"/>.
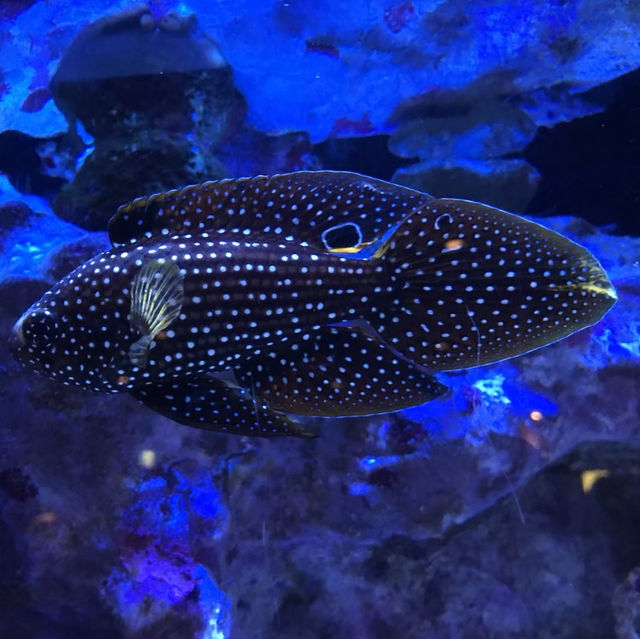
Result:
<point x="333" y="210"/>
<point x="156" y="299"/>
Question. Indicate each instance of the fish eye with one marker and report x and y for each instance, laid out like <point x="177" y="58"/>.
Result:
<point x="347" y="235"/>
<point x="39" y="328"/>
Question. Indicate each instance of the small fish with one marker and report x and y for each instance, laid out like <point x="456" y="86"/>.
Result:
<point x="236" y="305"/>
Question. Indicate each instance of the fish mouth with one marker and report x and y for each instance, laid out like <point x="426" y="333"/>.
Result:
<point x="34" y="331"/>
<point x="16" y="340"/>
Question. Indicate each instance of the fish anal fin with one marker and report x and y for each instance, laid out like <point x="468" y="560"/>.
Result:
<point x="211" y="404"/>
<point x="339" y="371"/>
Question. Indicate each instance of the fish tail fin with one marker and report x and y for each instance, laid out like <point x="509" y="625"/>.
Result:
<point x="472" y="284"/>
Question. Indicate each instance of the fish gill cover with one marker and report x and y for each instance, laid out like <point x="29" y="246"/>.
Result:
<point x="150" y="528"/>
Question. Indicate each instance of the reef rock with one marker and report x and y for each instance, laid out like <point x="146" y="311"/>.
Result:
<point x="36" y="248"/>
<point x="156" y="96"/>
<point x="465" y="148"/>
<point x="442" y="77"/>
<point x="304" y="68"/>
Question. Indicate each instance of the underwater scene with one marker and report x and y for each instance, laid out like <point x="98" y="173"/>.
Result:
<point x="320" y="320"/>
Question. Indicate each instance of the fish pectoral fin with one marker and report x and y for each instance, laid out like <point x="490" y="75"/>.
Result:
<point x="157" y="293"/>
<point x="212" y="404"/>
<point x="339" y="371"/>
<point x="139" y="351"/>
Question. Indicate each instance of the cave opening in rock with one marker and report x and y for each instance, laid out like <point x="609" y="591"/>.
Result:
<point x="590" y="166"/>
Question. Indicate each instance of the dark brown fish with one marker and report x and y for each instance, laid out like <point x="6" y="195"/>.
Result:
<point x="232" y="304"/>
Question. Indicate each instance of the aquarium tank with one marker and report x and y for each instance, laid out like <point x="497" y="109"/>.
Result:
<point x="320" y="319"/>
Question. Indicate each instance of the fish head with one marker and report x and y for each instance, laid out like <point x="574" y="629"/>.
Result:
<point x="34" y="338"/>
<point x="78" y="332"/>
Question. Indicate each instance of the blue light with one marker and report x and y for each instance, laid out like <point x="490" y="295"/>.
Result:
<point x="157" y="569"/>
<point x="359" y="488"/>
<point x="214" y="604"/>
<point x="492" y="388"/>
<point x="371" y="463"/>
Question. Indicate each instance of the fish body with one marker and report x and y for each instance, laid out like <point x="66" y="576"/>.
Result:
<point x="239" y="297"/>
<point x="232" y="304"/>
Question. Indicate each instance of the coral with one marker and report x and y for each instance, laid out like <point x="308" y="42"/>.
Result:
<point x="160" y="581"/>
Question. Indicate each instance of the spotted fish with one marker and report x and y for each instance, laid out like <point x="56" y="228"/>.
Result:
<point x="237" y="305"/>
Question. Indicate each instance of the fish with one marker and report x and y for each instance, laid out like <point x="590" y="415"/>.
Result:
<point x="243" y="305"/>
